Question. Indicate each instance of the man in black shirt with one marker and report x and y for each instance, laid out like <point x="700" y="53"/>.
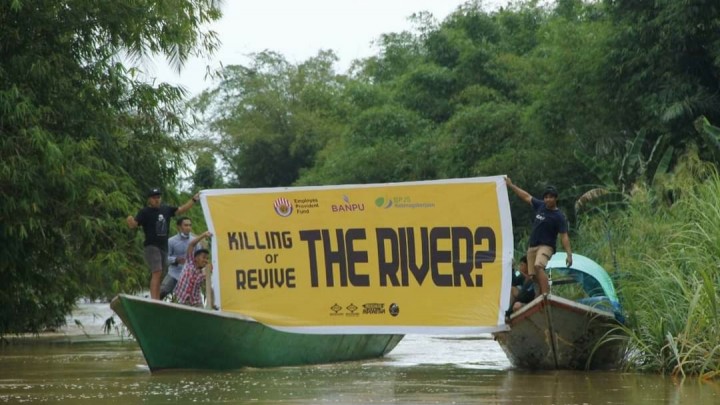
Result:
<point x="548" y="224"/>
<point x="523" y="288"/>
<point x="155" y="220"/>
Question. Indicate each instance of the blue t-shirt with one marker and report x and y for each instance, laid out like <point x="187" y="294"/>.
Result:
<point x="547" y="225"/>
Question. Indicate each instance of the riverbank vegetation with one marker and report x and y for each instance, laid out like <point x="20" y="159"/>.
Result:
<point x="663" y="247"/>
<point x="81" y="137"/>
<point x="615" y="102"/>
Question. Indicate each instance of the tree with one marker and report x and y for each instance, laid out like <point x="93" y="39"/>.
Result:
<point x="81" y="136"/>
<point x="206" y="175"/>
<point x="663" y="71"/>
<point x="383" y="143"/>
<point x="272" y="117"/>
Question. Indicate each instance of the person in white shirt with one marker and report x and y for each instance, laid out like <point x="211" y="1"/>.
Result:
<point x="177" y="250"/>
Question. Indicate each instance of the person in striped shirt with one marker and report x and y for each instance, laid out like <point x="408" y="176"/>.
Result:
<point x="187" y="290"/>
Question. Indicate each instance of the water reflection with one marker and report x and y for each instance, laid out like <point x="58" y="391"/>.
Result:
<point x="422" y="370"/>
<point x="603" y="388"/>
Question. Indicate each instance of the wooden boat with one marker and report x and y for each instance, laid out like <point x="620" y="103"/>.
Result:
<point x="553" y="332"/>
<point x="174" y="336"/>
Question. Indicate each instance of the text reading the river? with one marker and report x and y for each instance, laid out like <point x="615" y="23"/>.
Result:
<point x="398" y="258"/>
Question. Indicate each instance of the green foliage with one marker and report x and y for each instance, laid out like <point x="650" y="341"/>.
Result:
<point x="428" y="90"/>
<point x="385" y="123"/>
<point x="206" y="175"/>
<point x="662" y="69"/>
<point x="628" y="166"/>
<point x="272" y="117"/>
<point x="710" y="135"/>
<point x="478" y="133"/>
<point x="666" y="265"/>
<point x="383" y="144"/>
<point x="80" y="137"/>
<point x="398" y="51"/>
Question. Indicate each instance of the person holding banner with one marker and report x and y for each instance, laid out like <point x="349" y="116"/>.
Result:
<point x="548" y="224"/>
<point x="154" y="219"/>
<point x="197" y="263"/>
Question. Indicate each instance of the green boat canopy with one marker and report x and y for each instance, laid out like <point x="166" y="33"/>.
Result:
<point x="595" y="280"/>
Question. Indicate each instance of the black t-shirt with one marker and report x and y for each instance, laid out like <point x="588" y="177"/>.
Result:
<point x="548" y="223"/>
<point x="156" y="224"/>
<point x="527" y="292"/>
<point x="517" y="278"/>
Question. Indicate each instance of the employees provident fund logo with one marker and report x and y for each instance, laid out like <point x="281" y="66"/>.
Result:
<point x="283" y="207"/>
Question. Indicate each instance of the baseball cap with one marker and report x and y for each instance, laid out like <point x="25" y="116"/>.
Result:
<point x="550" y="190"/>
<point x="153" y="192"/>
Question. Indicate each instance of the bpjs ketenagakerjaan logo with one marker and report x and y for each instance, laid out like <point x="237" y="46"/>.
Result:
<point x="401" y="202"/>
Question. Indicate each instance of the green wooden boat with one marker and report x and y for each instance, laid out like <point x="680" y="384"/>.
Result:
<point x="174" y="336"/>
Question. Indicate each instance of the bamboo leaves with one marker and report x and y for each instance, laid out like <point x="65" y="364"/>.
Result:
<point x="80" y="136"/>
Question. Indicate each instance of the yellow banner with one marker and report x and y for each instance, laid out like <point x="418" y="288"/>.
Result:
<point x="420" y="257"/>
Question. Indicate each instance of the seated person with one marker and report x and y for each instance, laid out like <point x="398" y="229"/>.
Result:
<point x="518" y="279"/>
<point x="524" y="291"/>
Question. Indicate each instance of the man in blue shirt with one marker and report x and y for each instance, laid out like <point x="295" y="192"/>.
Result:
<point x="548" y="224"/>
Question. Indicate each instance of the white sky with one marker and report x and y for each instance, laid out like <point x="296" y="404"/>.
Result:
<point x="298" y="29"/>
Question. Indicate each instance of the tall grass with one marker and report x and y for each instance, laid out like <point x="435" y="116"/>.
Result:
<point x="663" y="248"/>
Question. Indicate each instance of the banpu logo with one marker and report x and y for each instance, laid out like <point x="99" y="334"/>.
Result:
<point x="283" y="207"/>
<point x="347" y="206"/>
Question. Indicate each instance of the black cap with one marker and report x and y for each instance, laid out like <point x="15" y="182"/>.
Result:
<point x="550" y="190"/>
<point x="153" y="192"/>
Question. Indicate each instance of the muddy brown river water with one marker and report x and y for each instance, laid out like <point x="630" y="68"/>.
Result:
<point x="421" y="370"/>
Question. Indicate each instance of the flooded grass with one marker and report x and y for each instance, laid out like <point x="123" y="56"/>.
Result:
<point x="668" y="271"/>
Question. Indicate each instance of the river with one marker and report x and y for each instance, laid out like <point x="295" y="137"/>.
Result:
<point x="421" y="370"/>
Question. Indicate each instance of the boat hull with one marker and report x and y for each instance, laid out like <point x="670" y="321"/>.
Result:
<point x="174" y="336"/>
<point x="555" y="333"/>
